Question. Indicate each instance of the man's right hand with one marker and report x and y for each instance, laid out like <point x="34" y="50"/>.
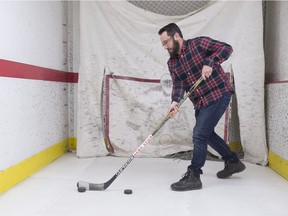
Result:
<point x="173" y="109"/>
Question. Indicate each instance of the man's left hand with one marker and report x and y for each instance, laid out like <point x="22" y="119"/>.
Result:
<point x="206" y="72"/>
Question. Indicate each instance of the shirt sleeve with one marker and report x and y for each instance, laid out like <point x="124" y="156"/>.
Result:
<point x="217" y="51"/>
<point x="178" y="91"/>
<point x="178" y="88"/>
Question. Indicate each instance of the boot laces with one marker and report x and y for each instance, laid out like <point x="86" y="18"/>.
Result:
<point x="226" y="165"/>
<point x="186" y="176"/>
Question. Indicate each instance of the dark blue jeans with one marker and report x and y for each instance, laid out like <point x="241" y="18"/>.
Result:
<point x="203" y="133"/>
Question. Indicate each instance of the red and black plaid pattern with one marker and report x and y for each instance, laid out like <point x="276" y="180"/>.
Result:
<point x="187" y="69"/>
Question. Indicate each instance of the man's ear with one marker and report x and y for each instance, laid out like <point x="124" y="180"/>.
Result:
<point x="176" y="36"/>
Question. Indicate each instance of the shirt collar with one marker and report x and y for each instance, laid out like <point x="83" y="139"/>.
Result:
<point x="184" y="45"/>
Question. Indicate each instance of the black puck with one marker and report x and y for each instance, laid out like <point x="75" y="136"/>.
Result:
<point x="81" y="189"/>
<point x="127" y="191"/>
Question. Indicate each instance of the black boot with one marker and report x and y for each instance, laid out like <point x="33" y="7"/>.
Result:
<point x="189" y="181"/>
<point x="231" y="167"/>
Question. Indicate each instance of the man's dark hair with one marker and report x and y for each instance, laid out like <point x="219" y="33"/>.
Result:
<point x="171" y="29"/>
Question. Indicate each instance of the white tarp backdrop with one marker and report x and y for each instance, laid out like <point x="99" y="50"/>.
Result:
<point x="122" y="39"/>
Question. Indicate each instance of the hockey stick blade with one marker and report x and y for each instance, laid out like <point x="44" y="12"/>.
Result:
<point x="96" y="187"/>
<point x="103" y="186"/>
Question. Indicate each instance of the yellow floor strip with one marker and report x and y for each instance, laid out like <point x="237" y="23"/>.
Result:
<point x="18" y="172"/>
<point x="278" y="164"/>
<point x="73" y="143"/>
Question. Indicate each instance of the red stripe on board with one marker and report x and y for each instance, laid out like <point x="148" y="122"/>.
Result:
<point x="276" y="82"/>
<point x="25" y="71"/>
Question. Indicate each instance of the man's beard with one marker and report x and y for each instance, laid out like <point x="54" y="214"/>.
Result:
<point x="174" y="53"/>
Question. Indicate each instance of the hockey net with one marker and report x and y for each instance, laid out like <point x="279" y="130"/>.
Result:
<point x="134" y="106"/>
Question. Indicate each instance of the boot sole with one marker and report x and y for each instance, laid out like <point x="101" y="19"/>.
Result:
<point x="186" y="189"/>
<point x="238" y="171"/>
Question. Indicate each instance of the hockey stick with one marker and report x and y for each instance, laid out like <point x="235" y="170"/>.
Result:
<point x="103" y="186"/>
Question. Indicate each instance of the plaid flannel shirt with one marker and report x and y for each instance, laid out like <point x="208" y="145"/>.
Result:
<point x="187" y="69"/>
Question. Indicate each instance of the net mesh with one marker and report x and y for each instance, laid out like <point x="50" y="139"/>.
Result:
<point x="170" y="8"/>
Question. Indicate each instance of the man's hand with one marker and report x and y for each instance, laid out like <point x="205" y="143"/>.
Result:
<point x="173" y="109"/>
<point x="206" y="72"/>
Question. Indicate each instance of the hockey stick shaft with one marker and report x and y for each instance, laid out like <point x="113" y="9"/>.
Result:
<point x="103" y="186"/>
